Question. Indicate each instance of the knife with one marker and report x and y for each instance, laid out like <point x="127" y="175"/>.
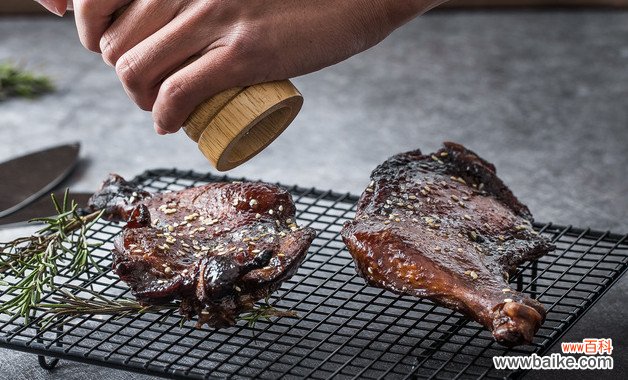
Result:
<point x="41" y="208"/>
<point x="26" y="178"/>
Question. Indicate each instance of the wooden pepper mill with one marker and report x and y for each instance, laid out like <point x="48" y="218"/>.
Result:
<point x="235" y="125"/>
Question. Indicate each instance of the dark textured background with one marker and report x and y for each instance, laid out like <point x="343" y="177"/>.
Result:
<point x="541" y="94"/>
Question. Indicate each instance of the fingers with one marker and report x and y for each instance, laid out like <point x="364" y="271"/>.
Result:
<point x="184" y="90"/>
<point x="93" y="17"/>
<point x="126" y="32"/>
<point x="143" y="68"/>
<point x="57" y="7"/>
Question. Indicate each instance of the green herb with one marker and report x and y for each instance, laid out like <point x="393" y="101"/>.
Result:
<point x="71" y="305"/>
<point x="17" y="82"/>
<point x="264" y="312"/>
<point x="68" y="305"/>
<point x="34" y="259"/>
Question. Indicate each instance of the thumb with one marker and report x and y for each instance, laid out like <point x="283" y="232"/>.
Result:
<point x="58" y="7"/>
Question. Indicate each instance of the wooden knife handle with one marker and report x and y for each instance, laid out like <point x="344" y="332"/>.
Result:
<point x="235" y="125"/>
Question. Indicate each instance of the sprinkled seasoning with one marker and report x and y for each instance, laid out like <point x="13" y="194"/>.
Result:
<point x="471" y="274"/>
<point x="521" y="227"/>
<point x="507" y="300"/>
<point x="191" y="217"/>
<point x="271" y="212"/>
<point x="506" y="290"/>
<point x="467" y="217"/>
<point x="280" y="208"/>
<point x="455" y="198"/>
<point x="235" y="202"/>
<point x="258" y="215"/>
<point x="253" y="202"/>
<point x="413" y="197"/>
<point x="460" y="250"/>
<point x="444" y="154"/>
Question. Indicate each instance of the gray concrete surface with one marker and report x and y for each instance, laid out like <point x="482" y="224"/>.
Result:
<point x="543" y="95"/>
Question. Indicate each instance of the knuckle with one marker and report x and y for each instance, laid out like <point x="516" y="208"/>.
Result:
<point x="175" y="92"/>
<point x="84" y="10"/>
<point x="109" y="49"/>
<point x="128" y="69"/>
<point x="173" y="99"/>
<point x="129" y="72"/>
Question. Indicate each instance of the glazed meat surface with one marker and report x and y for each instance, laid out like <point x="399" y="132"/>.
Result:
<point x="217" y="248"/>
<point x="443" y="226"/>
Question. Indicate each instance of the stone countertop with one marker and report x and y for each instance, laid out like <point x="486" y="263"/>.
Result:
<point x="541" y="94"/>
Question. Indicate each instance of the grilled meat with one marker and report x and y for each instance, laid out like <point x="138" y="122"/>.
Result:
<point x="443" y="226"/>
<point x="217" y="248"/>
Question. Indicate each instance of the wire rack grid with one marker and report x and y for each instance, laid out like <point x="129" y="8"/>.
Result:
<point x="344" y="329"/>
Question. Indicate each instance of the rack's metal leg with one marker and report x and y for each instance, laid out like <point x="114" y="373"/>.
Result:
<point x="43" y="360"/>
<point x="47" y="365"/>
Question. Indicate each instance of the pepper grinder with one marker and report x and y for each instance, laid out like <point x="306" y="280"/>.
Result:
<point x="235" y="125"/>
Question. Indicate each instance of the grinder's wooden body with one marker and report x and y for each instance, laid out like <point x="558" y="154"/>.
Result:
<point x="236" y="124"/>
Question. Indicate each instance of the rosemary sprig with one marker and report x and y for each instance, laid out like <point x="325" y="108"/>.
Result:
<point x="34" y="259"/>
<point x="17" y="82"/>
<point x="68" y="305"/>
<point x="264" y="311"/>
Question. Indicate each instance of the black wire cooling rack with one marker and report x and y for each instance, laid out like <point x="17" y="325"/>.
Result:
<point x="344" y="328"/>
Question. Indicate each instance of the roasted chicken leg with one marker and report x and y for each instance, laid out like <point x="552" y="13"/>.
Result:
<point x="217" y="248"/>
<point x="443" y="226"/>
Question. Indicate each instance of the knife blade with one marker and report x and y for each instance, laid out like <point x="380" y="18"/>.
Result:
<point x="41" y="208"/>
<point x="26" y="178"/>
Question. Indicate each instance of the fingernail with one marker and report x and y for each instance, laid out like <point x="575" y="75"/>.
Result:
<point x="52" y="7"/>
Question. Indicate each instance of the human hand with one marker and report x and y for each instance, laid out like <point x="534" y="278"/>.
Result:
<point x="172" y="55"/>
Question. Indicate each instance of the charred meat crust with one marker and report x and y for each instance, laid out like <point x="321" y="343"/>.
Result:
<point x="443" y="226"/>
<point x="217" y="248"/>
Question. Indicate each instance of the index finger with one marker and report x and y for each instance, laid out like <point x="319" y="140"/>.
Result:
<point x="93" y="18"/>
